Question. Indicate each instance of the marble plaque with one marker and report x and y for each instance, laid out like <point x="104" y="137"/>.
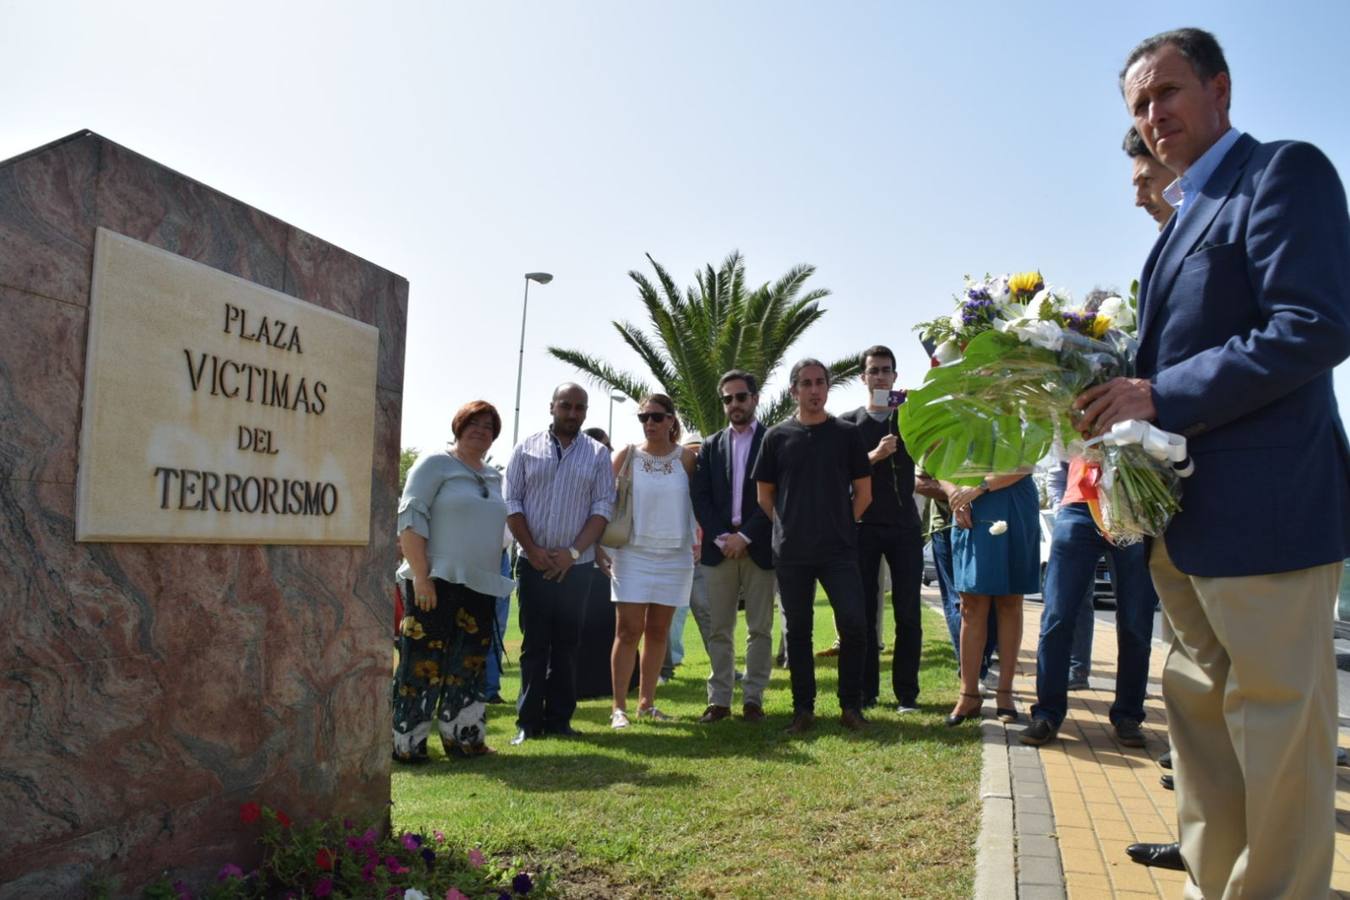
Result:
<point x="217" y="410"/>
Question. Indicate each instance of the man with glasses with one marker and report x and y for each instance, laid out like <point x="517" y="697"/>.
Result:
<point x="559" y="495"/>
<point x="890" y="530"/>
<point x="814" y="482"/>
<point x="737" y="561"/>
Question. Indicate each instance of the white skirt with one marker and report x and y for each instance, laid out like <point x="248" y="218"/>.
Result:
<point x="646" y="575"/>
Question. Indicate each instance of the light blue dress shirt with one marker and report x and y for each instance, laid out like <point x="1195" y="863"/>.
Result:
<point x="1191" y="183"/>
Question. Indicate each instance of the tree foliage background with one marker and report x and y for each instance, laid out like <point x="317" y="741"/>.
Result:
<point x="717" y="324"/>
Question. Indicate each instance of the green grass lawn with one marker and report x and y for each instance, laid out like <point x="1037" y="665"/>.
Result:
<point x="678" y="809"/>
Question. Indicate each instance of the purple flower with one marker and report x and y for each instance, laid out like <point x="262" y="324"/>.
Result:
<point x="348" y="825"/>
<point x="522" y="884"/>
<point x="428" y="855"/>
<point x="412" y="841"/>
<point x="228" y="871"/>
<point x="978" y="293"/>
<point x="182" y="891"/>
<point x="323" y="887"/>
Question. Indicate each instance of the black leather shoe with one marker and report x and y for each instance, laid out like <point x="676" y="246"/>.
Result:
<point x="802" y="722"/>
<point x="521" y="737"/>
<point x="852" y="719"/>
<point x="563" y="730"/>
<point x="496" y="699"/>
<point x="1129" y="733"/>
<point x="1168" y="782"/>
<point x="1162" y="856"/>
<point x="1039" y="732"/>
<point x="1166" y="760"/>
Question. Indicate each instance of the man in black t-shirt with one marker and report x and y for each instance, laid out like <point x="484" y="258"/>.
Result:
<point x="806" y="468"/>
<point x="890" y="528"/>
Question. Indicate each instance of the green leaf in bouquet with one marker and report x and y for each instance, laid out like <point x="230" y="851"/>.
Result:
<point x="988" y="412"/>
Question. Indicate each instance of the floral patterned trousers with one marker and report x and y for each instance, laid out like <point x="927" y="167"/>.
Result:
<point x="442" y="672"/>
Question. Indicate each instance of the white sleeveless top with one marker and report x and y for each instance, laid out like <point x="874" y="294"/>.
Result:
<point x="663" y="516"/>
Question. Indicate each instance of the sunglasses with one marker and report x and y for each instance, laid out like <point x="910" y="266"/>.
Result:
<point x="738" y="397"/>
<point x="657" y="417"/>
<point x="482" y="483"/>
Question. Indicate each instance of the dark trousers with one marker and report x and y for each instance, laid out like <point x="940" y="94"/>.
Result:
<point x="550" y="626"/>
<point x="902" y="549"/>
<point x="843" y="587"/>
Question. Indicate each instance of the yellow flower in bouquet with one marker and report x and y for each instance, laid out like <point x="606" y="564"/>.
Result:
<point x="1026" y="283"/>
<point x="1100" y="325"/>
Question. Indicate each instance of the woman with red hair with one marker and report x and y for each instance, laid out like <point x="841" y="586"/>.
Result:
<point x="451" y="519"/>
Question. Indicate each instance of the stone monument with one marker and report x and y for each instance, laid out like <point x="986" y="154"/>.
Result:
<point x="199" y="436"/>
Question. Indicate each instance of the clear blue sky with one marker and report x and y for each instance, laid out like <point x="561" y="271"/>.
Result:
<point x="896" y="147"/>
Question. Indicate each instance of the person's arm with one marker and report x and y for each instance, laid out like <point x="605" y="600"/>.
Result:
<point x="859" y="471"/>
<point x="414" y="526"/>
<point x="539" y="558"/>
<point x="961" y="498"/>
<point x="862" y="496"/>
<point x="706" y="512"/>
<point x="766" y="492"/>
<point x="414" y="548"/>
<point x="602" y="508"/>
<point x="928" y="486"/>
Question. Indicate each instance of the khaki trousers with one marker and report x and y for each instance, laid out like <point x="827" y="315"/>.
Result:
<point x="1250" y="691"/>
<point x="727" y="582"/>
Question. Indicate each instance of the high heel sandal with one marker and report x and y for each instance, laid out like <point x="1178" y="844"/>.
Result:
<point x="957" y="718"/>
<point x="1006" y="714"/>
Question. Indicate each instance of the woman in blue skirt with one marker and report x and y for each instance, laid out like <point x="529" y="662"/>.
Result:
<point x="996" y="558"/>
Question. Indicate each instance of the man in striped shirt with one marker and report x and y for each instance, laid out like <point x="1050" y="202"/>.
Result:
<point x="559" y="495"/>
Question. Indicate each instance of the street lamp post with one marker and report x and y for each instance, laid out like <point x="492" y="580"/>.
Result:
<point x="614" y="397"/>
<point x="541" y="278"/>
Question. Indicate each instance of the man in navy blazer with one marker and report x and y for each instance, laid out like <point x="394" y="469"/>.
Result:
<point x="737" y="561"/>
<point x="1245" y="311"/>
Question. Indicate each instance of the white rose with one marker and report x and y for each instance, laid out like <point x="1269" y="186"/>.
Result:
<point x="1038" y="333"/>
<point x="947" y="352"/>
<point x="998" y="527"/>
<point x="1118" y="311"/>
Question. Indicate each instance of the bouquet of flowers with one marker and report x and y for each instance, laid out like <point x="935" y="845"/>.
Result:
<point x="1008" y="364"/>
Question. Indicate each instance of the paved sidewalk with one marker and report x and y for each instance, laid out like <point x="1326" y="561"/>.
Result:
<point x="1077" y="802"/>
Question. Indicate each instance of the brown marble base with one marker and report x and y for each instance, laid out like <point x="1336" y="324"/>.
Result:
<point x="147" y="690"/>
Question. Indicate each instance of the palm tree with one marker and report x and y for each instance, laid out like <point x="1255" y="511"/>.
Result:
<point x="717" y="325"/>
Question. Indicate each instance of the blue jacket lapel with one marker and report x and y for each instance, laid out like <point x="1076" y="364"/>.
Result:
<point x="1181" y="237"/>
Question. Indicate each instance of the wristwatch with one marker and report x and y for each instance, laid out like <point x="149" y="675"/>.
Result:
<point x="576" y="554"/>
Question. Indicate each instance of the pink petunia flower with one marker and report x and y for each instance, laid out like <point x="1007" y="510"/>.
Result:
<point x="476" y="858"/>
<point x="456" y="894"/>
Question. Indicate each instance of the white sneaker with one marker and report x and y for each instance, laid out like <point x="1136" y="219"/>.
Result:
<point x="654" y="714"/>
<point x="902" y="709"/>
<point x="618" y="719"/>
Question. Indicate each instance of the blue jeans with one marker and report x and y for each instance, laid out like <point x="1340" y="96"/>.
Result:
<point x="951" y="600"/>
<point x="494" y="660"/>
<point x="1080" y="657"/>
<point x="1073" y="562"/>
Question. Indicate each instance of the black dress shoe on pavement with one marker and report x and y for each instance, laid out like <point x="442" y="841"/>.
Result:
<point x="1162" y="856"/>
<point x="521" y="737"/>
<point x="1168" y="782"/>
<point x="1129" y="733"/>
<point x="1039" y="732"/>
<point x="1166" y="760"/>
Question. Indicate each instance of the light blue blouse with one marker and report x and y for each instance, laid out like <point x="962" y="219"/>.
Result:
<point x="444" y="501"/>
